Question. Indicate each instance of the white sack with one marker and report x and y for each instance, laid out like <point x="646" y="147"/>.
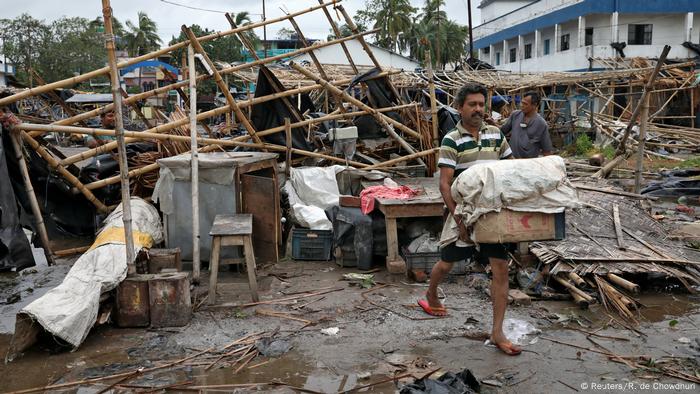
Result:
<point x="527" y="185"/>
<point x="69" y="310"/>
<point x="317" y="186"/>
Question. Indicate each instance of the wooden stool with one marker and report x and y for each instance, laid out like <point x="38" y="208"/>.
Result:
<point x="232" y="230"/>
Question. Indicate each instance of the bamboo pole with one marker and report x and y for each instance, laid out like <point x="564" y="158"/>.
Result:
<point x="36" y="211"/>
<point x="388" y="163"/>
<point x="317" y="63"/>
<point x="640" y="146"/>
<point x="288" y="141"/>
<point x="121" y="146"/>
<point x="169" y="137"/>
<point x="229" y="70"/>
<point x="337" y="32"/>
<point x="647" y="88"/>
<point x="194" y="163"/>
<point x="627" y="285"/>
<point x="105" y="70"/>
<point x="433" y="104"/>
<point x="68" y="110"/>
<point x="574" y="289"/>
<point x="219" y="82"/>
<point x="381" y="118"/>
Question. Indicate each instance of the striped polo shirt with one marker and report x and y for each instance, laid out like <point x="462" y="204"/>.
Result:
<point x="459" y="150"/>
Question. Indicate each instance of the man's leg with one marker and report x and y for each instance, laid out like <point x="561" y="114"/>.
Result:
<point x="499" y="297"/>
<point x="440" y="269"/>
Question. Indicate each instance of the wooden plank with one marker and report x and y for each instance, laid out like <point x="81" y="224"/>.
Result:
<point x="412" y="210"/>
<point x="618" y="227"/>
<point x="260" y="197"/>
<point x="392" y="239"/>
<point x="232" y="224"/>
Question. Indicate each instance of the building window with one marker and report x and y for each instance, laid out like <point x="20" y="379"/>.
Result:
<point x="639" y="35"/>
<point x="589" y="36"/>
<point x="546" y="46"/>
<point x="528" y="51"/>
<point x="513" y="53"/>
<point x="564" y="42"/>
<point x="498" y="58"/>
<point x="486" y="50"/>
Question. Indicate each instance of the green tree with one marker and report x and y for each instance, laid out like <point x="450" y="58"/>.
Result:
<point x="23" y="39"/>
<point x="117" y="29"/>
<point x="75" y="46"/>
<point x="286" y="34"/>
<point x="395" y="19"/>
<point x="142" y="38"/>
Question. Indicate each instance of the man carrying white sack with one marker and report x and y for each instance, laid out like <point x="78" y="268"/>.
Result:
<point x="472" y="142"/>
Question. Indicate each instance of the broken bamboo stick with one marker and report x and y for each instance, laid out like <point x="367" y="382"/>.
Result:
<point x="618" y="227"/>
<point x="624" y="283"/>
<point x="575" y="290"/>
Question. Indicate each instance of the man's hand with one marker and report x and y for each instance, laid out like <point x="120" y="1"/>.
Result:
<point x="464" y="232"/>
<point x="489" y="120"/>
<point x="9" y="120"/>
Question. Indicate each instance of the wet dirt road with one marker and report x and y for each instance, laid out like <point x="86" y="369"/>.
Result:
<point x="376" y="342"/>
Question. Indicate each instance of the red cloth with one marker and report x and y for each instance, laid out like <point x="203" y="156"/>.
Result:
<point x="368" y="195"/>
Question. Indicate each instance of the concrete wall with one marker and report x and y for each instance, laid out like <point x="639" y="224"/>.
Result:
<point x="534" y="10"/>
<point x="498" y="8"/>
<point x="667" y="29"/>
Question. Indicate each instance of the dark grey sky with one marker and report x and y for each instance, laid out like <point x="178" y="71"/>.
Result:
<point x="170" y="17"/>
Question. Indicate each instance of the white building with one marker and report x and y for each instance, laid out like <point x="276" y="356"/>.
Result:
<point x="562" y="35"/>
<point x="334" y="55"/>
<point x="6" y="70"/>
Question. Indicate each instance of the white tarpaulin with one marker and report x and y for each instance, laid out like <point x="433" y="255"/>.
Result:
<point x="69" y="310"/>
<point x="311" y="190"/>
<point x="526" y="185"/>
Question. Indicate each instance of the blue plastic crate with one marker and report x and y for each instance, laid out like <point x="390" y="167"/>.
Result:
<point x="311" y="244"/>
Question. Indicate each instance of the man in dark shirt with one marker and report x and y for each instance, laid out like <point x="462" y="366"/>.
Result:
<point x="529" y="133"/>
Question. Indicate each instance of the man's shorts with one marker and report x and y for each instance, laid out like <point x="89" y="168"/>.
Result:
<point x="452" y="253"/>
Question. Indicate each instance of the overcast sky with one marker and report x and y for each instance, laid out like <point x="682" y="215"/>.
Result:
<point x="171" y="17"/>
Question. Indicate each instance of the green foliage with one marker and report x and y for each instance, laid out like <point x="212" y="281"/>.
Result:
<point x="608" y="152"/>
<point x="142" y="37"/>
<point x="583" y="144"/>
<point x="404" y="28"/>
<point x="346" y="31"/>
<point x="690" y="163"/>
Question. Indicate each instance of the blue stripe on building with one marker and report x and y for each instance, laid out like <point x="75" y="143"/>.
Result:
<point x="584" y="8"/>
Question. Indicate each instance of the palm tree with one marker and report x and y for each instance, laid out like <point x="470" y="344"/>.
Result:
<point x="394" y="18"/>
<point x="142" y="38"/>
<point x="242" y="19"/>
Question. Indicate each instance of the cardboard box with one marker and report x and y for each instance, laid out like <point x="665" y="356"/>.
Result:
<point x="512" y="226"/>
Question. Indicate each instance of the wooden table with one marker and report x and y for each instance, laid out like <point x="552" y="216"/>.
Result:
<point x="427" y="203"/>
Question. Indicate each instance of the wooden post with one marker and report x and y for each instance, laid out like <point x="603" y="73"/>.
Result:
<point x="195" y="165"/>
<point x="640" y="146"/>
<point x="119" y="130"/>
<point x="288" y="142"/>
<point x="36" y="211"/>
<point x="433" y="105"/>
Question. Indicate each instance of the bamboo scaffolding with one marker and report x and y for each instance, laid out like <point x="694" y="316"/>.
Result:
<point x="220" y="82"/>
<point x="105" y="70"/>
<point x="381" y="118"/>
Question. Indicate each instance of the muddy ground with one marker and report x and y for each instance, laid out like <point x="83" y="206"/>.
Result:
<point x="373" y="341"/>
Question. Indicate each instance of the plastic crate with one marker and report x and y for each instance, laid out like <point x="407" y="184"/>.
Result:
<point x="312" y="244"/>
<point x="426" y="261"/>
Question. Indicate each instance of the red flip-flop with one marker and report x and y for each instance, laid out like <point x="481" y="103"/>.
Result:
<point x="439" y="311"/>
<point x="508" y="348"/>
